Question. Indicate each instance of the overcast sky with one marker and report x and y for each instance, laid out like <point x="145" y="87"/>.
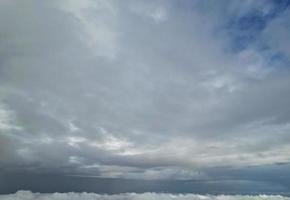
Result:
<point x="147" y="89"/>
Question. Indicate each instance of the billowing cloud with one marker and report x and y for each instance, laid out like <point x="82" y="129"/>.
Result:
<point x="147" y="89"/>
<point x="27" y="195"/>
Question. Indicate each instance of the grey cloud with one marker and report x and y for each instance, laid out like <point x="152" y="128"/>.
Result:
<point x="137" y="88"/>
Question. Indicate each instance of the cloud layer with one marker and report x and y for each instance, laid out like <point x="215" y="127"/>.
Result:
<point x="27" y="195"/>
<point x="147" y="89"/>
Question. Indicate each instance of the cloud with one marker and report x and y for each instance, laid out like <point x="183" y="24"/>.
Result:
<point x="157" y="89"/>
<point x="276" y="32"/>
<point x="27" y="195"/>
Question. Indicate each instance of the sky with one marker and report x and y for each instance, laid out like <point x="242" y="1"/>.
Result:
<point x="155" y="90"/>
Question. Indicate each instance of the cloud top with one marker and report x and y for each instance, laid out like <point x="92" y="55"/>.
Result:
<point x="27" y="195"/>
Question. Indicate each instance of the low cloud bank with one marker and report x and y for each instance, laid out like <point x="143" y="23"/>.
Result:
<point x="27" y="195"/>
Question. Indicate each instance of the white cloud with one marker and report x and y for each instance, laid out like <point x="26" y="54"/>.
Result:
<point x="7" y="119"/>
<point x="154" y="11"/>
<point x="98" y="19"/>
<point x="27" y="195"/>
